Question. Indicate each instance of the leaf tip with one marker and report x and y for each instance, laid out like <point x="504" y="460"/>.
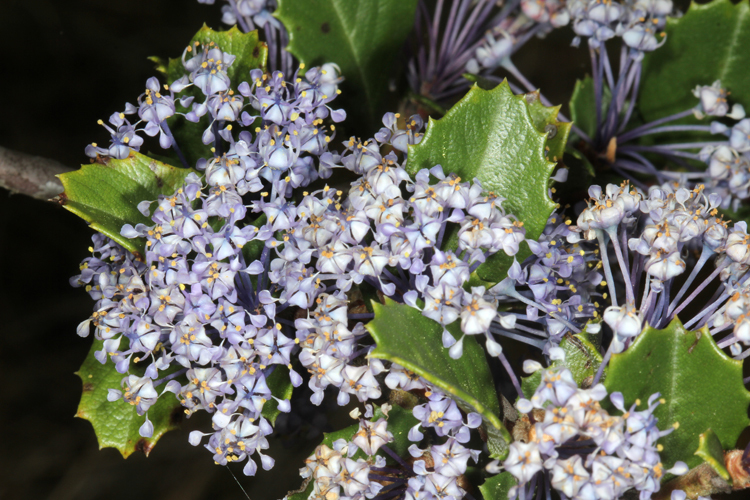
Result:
<point x="144" y="445"/>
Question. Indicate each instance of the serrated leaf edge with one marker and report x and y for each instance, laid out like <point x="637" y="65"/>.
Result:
<point x="707" y="457"/>
<point x="124" y="451"/>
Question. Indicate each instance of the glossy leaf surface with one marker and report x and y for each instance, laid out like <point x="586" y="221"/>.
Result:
<point x="405" y="337"/>
<point x="116" y="423"/>
<point x="710" y="42"/>
<point x="497" y="487"/>
<point x="491" y="135"/>
<point x="364" y="37"/>
<point x="702" y="387"/>
<point x="107" y="196"/>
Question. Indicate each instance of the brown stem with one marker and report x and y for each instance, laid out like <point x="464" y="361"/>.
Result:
<point x="705" y="481"/>
<point x="700" y="481"/>
<point x="30" y="175"/>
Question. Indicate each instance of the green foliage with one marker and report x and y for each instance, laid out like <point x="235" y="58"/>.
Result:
<point x="399" y="423"/>
<point x="116" y="423"/>
<point x="107" y="196"/>
<point x="710" y="42"/>
<point x="545" y="120"/>
<point x="405" y="337"/>
<point x="702" y="387"/>
<point x="498" y="486"/>
<point x="364" y="37"/>
<point x="581" y="357"/>
<point x="491" y="135"/>
<point x="281" y="387"/>
<point x="711" y="451"/>
<point x="583" y="105"/>
<point x="249" y="52"/>
<point x="543" y="116"/>
<point x="253" y="249"/>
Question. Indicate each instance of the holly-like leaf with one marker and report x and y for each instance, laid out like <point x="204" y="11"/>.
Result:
<point x="581" y="357"/>
<point x="711" y="451"/>
<point x="281" y="387"/>
<point x="399" y="423"/>
<point x="405" y="337"/>
<point x="544" y="117"/>
<point x="107" y="196"/>
<point x="364" y="37"/>
<point x="249" y="52"/>
<point x="710" y="42"/>
<point x="498" y="486"/>
<point x="583" y="105"/>
<point x="545" y="121"/>
<point x="160" y="64"/>
<point x="116" y="423"/>
<point x="491" y="135"/>
<point x="702" y="387"/>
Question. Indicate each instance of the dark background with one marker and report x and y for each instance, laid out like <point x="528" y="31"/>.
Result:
<point x="66" y="64"/>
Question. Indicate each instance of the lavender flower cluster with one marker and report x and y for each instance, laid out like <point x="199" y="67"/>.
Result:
<point x="258" y="14"/>
<point x="721" y="165"/>
<point x="582" y="450"/>
<point x="575" y="447"/>
<point x="259" y="265"/>
<point x="204" y="306"/>
<point x="481" y="36"/>
<point x="637" y="22"/>
<point x="627" y="239"/>
<point x="434" y="472"/>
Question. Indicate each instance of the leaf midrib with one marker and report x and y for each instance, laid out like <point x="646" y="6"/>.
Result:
<point x="355" y="54"/>
<point x="735" y="34"/>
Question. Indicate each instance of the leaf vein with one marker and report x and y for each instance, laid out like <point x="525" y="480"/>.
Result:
<point x="731" y="46"/>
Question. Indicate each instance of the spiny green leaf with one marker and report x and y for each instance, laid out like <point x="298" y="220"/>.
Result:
<point x="405" y="337"/>
<point x="481" y="81"/>
<point x="160" y="64"/>
<point x="498" y="486"/>
<point x="711" y="451"/>
<point x="364" y="37"/>
<point x="399" y="423"/>
<point x="544" y="117"/>
<point x="249" y="52"/>
<point x="581" y="357"/>
<point x="107" y="196"/>
<point x="116" y="423"/>
<point x="710" y="42"/>
<point x="546" y="122"/>
<point x="702" y="387"/>
<point x="490" y="135"/>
